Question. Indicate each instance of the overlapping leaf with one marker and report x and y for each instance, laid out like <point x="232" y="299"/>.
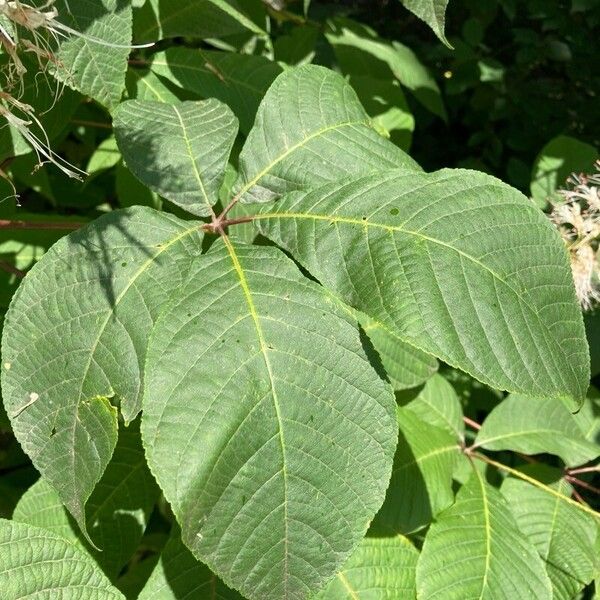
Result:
<point x="37" y="563"/>
<point x="95" y="61"/>
<point x="311" y="129"/>
<point x="421" y="484"/>
<point x="475" y="550"/>
<point x="117" y="512"/>
<point x="238" y="80"/>
<point x="563" y="536"/>
<point x="178" y="150"/>
<point x="75" y="336"/>
<point x="179" y="575"/>
<point x="288" y="432"/>
<point x="438" y="404"/>
<point x="158" y="19"/>
<point x="536" y="425"/>
<point x="455" y="262"/>
<point x="380" y="568"/>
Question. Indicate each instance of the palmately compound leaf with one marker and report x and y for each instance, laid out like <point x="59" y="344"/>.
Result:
<point x="36" y="563"/>
<point x="117" y="512"/>
<point x="88" y="62"/>
<point x="265" y="425"/>
<point x="457" y="263"/>
<point x="75" y="336"/>
<point x="311" y="129"/>
<point x="534" y="426"/>
<point x="179" y="575"/>
<point x="421" y="484"/>
<point x="433" y="12"/>
<point x="563" y="536"/>
<point x="239" y="80"/>
<point x="380" y="568"/>
<point x="475" y="550"/>
<point x="178" y="150"/>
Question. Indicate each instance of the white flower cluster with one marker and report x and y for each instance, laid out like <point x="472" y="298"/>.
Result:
<point x="577" y="217"/>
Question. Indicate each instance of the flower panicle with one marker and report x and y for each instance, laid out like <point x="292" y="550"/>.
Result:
<point x="576" y="215"/>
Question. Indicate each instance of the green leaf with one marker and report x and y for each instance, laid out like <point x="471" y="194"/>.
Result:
<point x="308" y="115"/>
<point x="289" y="432"/>
<point x="361" y="52"/>
<point x="178" y="150"/>
<point x="475" y="550"/>
<point x="37" y="563"/>
<point x="238" y="80"/>
<point x="179" y="575"/>
<point x="560" y="157"/>
<point x="588" y="418"/>
<point x="132" y="192"/>
<point x="534" y="426"/>
<point x="116" y="514"/>
<point x="563" y="536"/>
<point x="421" y="485"/>
<point x="159" y="19"/>
<point x="380" y="568"/>
<point x="105" y="156"/>
<point x="455" y="262"/>
<point x="438" y="404"/>
<point x="87" y="62"/>
<point x="405" y="365"/>
<point x="433" y="12"/>
<point x="76" y="334"/>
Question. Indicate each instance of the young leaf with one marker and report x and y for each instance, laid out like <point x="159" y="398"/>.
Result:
<point x="289" y="433"/>
<point x="178" y="150"/>
<point x="238" y="80"/>
<point x="37" y="563"/>
<point x="457" y="263"/>
<point x="116" y="514"/>
<point x="311" y="129"/>
<point x="563" y="536"/>
<point x="179" y="575"/>
<point x="533" y="426"/>
<point x="433" y="12"/>
<point x="421" y="484"/>
<point x="94" y="68"/>
<point x="76" y="334"/>
<point x="379" y="568"/>
<point x="475" y="550"/>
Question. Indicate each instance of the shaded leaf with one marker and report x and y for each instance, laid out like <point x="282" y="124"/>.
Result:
<point x="179" y="575"/>
<point x="421" y="484"/>
<point x="534" y="426"/>
<point x="178" y="150"/>
<point x="308" y="115"/>
<point x="116" y="514"/>
<point x="36" y="562"/>
<point x="439" y="259"/>
<point x="238" y="80"/>
<point x="475" y="550"/>
<point x="289" y="431"/>
<point x="75" y="335"/>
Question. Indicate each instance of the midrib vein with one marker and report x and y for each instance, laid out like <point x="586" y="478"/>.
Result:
<point x="264" y="349"/>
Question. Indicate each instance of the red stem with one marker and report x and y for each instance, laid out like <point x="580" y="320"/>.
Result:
<point x="5" y="224"/>
<point x="10" y="269"/>
<point x="472" y="423"/>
